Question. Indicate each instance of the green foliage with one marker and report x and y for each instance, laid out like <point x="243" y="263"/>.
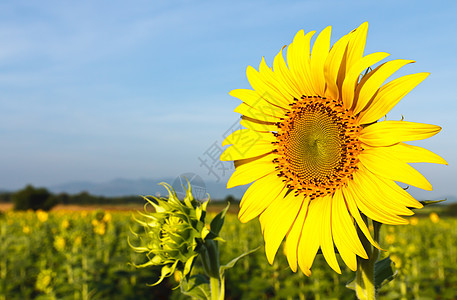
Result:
<point x="84" y="255"/>
<point x="72" y="255"/>
<point x="33" y="198"/>
<point x="197" y="287"/>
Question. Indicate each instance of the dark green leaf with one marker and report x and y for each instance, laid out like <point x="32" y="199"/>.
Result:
<point x="217" y="223"/>
<point x="383" y="272"/>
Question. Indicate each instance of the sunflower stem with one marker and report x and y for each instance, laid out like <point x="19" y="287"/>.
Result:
<point x="210" y="259"/>
<point x="365" y="284"/>
<point x="215" y="289"/>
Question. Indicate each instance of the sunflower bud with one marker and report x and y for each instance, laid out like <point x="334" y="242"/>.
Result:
<point x="174" y="233"/>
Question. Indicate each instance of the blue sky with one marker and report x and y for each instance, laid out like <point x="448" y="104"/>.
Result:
<point x="96" y="90"/>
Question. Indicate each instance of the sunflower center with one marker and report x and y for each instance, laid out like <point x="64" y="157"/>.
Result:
<point x="314" y="144"/>
<point x="317" y="145"/>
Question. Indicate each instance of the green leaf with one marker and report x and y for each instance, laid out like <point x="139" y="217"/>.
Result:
<point x="428" y="202"/>
<point x="231" y="263"/>
<point x="351" y="284"/>
<point x="383" y="272"/>
<point x="217" y="223"/>
<point x="196" y="287"/>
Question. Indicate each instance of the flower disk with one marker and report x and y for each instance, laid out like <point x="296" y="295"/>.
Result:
<point x="316" y="154"/>
<point x="317" y="146"/>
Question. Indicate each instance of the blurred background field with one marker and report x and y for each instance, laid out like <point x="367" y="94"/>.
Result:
<point x="83" y="254"/>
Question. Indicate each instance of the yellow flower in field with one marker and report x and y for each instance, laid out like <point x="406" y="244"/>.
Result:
<point x="411" y="249"/>
<point x="397" y="261"/>
<point x="42" y="216"/>
<point x="390" y="239"/>
<point x="107" y="218"/>
<point x="26" y="229"/>
<point x="100" y="228"/>
<point x="65" y="224"/>
<point x="434" y="217"/>
<point x="78" y="241"/>
<point x="316" y="153"/>
<point x="414" y="221"/>
<point x="44" y="280"/>
<point x="59" y="243"/>
<point x="178" y="276"/>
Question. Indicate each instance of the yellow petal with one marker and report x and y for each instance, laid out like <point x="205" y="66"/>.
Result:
<point x="398" y="194"/>
<point x="382" y="163"/>
<point x="257" y="125"/>
<point x="260" y="195"/>
<point x="353" y="52"/>
<point x="236" y="152"/>
<point x="415" y="154"/>
<point x="318" y="56"/>
<point x="298" y="58"/>
<point x="269" y="156"/>
<point x="354" y="210"/>
<point x="247" y="136"/>
<point x="266" y="89"/>
<point x="276" y="221"/>
<point x="276" y="82"/>
<point x="353" y="74"/>
<point x="266" y="114"/>
<point x="370" y="210"/>
<point x="373" y="202"/>
<point x="293" y="238"/>
<point x="388" y="133"/>
<point x="370" y="83"/>
<point x="254" y="99"/>
<point x="310" y="236"/>
<point x="250" y="172"/>
<point x="389" y="95"/>
<point x="326" y="239"/>
<point x="344" y="233"/>
<point x="356" y="46"/>
<point x="284" y="76"/>
<point x="391" y="194"/>
<point x="332" y="66"/>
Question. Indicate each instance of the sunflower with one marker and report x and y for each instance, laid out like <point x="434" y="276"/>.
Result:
<point x="318" y="156"/>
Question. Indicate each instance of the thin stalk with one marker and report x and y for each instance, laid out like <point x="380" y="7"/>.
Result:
<point x="210" y="259"/>
<point x="85" y="287"/>
<point x="365" y="286"/>
<point x="222" y="290"/>
<point x="215" y="290"/>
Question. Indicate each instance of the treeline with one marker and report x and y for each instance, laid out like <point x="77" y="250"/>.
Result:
<point x="36" y="198"/>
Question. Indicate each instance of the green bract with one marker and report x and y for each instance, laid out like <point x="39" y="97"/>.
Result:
<point x="174" y="233"/>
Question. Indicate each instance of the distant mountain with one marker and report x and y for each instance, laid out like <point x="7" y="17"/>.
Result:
<point x="143" y="186"/>
<point x="128" y="187"/>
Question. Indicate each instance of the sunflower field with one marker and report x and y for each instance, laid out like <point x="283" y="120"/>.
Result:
<point x="86" y="255"/>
